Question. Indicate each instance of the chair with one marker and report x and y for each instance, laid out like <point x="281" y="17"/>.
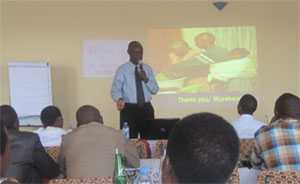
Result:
<point x="246" y="148"/>
<point x="53" y="152"/>
<point x="160" y="147"/>
<point x="143" y="148"/>
<point x="278" y="177"/>
<point x="234" y="178"/>
<point x="92" y="180"/>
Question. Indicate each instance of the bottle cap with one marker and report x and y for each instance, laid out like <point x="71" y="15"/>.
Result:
<point x="144" y="170"/>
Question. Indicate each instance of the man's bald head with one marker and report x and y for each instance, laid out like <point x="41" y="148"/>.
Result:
<point x="87" y="114"/>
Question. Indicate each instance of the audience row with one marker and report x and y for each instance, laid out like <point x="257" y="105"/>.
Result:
<point x="201" y="148"/>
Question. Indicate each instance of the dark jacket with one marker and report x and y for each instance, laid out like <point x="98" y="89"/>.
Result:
<point x="29" y="162"/>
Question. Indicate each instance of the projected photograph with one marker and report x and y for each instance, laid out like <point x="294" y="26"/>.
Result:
<point x="196" y="60"/>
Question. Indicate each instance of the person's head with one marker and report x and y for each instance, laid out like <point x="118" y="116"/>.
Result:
<point x="9" y="117"/>
<point x="205" y="40"/>
<point x="202" y="148"/>
<point x="87" y="114"/>
<point x="135" y="51"/>
<point x="180" y="48"/>
<point x="247" y="104"/>
<point x="51" y="116"/>
<point x="287" y="106"/>
<point x="5" y="150"/>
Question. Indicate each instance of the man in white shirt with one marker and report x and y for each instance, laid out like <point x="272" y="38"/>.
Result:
<point x="52" y="131"/>
<point x="246" y="125"/>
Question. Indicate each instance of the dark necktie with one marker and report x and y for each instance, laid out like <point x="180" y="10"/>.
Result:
<point x="139" y="88"/>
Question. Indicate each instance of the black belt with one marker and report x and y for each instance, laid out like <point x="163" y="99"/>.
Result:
<point x="137" y="105"/>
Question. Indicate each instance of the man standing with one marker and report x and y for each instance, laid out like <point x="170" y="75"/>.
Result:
<point x="133" y="85"/>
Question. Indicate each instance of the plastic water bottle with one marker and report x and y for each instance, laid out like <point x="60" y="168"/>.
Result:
<point x="143" y="176"/>
<point x="125" y="130"/>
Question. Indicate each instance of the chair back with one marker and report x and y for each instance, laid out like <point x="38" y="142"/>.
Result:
<point x="278" y="177"/>
<point x="53" y="152"/>
<point x="143" y="148"/>
<point x="91" y="180"/>
<point x="234" y="178"/>
<point x="160" y="147"/>
<point x="246" y="148"/>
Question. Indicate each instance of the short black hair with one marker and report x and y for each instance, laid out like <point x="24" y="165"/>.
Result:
<point x="87" y="114"/>
<point x="203" y="148"/>
<point x="287" y="106"/>
<point x="8" y="117"/>
<point x="4" y="139"/>
<point x="49" y="115"/>
<point x="247" y="104"/>
<point x="134" y="44"/>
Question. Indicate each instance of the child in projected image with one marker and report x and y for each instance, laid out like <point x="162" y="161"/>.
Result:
<point x="208" y="68"/>
<point x="180" y="52"/>
<point x="206" y="42"/>
<point x="217" y="55"/>
<point x="186" y="66"/>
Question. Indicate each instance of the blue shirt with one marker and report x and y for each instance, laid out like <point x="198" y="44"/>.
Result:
<point x="124" y="84"/>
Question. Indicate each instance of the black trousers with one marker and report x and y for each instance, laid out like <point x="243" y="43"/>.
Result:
<point x="136" y="116"/>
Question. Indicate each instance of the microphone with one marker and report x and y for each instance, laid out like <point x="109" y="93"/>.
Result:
<point x="143" y="74"/>
<point x="141" y="67"/>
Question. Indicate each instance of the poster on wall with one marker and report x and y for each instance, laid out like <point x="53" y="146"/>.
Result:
<point x="101" y="58"/>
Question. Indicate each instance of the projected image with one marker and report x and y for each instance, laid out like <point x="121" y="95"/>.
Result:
<point x="196" y="60"/>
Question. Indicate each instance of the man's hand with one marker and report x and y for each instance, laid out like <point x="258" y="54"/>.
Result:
<point x="120" y="104"/>
<point x="143" y="76"/>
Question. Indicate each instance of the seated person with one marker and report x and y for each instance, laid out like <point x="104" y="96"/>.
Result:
<point x="202" y="148"/>
<point x="29" y="162"/>
<point x="246" y="125"/>
<point x="88" y="151"/>
<point x="4" y="156"/>
<point x="278" y="145"/>
<point x="51" y="132"/>
<point x="4" y="150"/>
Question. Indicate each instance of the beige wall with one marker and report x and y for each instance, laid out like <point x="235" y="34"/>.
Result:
<point x="2" y="83"/>
<point x="299" y="45"/>
<point x="55" y="31"/>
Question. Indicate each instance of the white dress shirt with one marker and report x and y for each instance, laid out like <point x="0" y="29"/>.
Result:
<point x="50" y="136"/>
<point x="246" y="126"/>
